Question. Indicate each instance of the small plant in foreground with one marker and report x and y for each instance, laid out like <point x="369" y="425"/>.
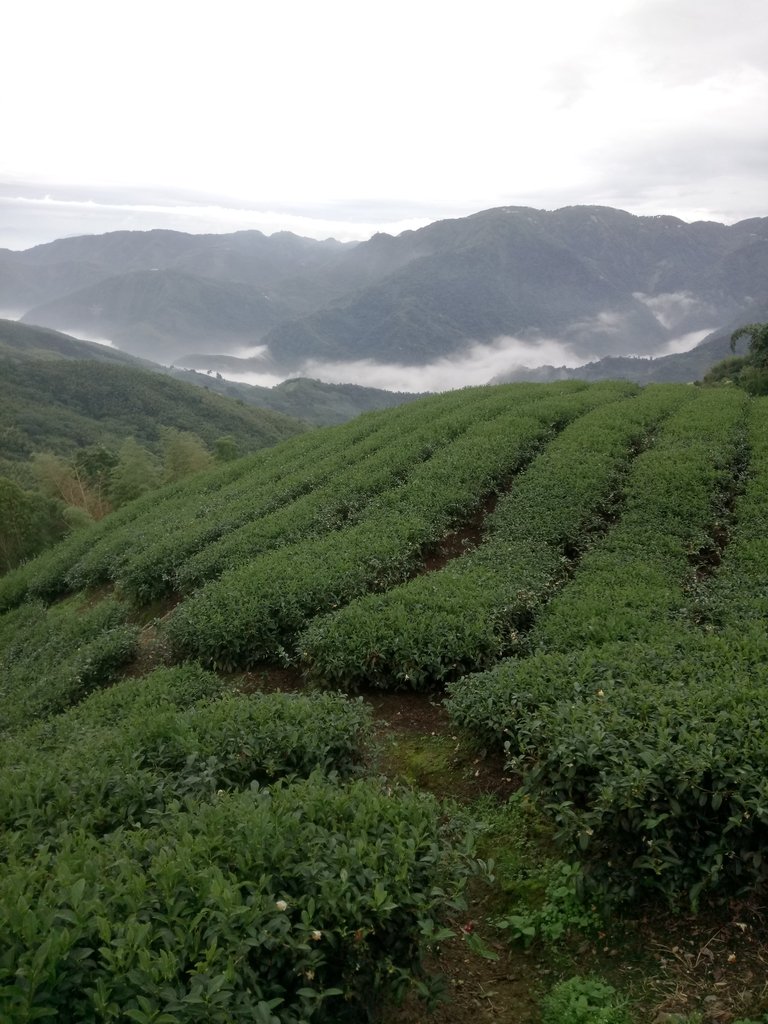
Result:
<point x="583" y="1001"/>
<point x="562" y="910"/>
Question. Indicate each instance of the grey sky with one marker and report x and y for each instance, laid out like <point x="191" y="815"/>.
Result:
<point x="341" y="118"/>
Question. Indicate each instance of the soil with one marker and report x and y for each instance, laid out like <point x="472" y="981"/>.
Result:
<point x="460" y="541"/>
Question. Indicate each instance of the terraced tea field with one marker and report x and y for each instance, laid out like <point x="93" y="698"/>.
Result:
<point x="180" y="847"/>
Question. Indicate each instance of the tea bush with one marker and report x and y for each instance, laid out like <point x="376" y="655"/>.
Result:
<point x="349" y="486"/>
<point x="642" y="732"/>
<point x="254" y="612"/>
<point x="51" y="658"/>
<point x="738" y="595"/>
<point x="162" y="741"/>
<point x="635" y="583"/>
<point x="189" y="520"/>
<point x="305" y="902"/>
<point x="474" y="610"/>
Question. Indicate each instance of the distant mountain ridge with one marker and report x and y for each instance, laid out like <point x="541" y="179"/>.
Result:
<point x="595" y="280"/>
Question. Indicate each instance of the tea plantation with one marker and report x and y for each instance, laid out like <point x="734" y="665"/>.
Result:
<point x="175" y="849"/>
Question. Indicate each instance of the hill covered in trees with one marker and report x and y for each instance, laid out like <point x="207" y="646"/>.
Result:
<point x="312" y="401"/>
<point x="81" y="435"/>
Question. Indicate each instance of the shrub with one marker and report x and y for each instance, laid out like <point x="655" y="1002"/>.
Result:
<point x="51" y="658"/>
<point x="307" y="902"/>
<point x="167" y="739"/>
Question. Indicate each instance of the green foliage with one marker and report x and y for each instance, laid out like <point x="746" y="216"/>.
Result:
<point x="750" y="371"/>
<point x="643" y="733"/>
<point x="146" y="747"/>
<point x="478" y="607"/>
<point x="225" y="448"/>
<point x="562" y="909"/>
<point x="311" y="900"/>
<point x="254" y="612"/>
<point x="758" y="342"/>
<point x="624" y="567"/>
<point x="135" y="473"/>
<point x="64" y="480"/>
<point x="95" y="463"/>
<point x="634" y="583"/>
<point x="583" y="1001"/>
<point x="62" y="405"/>
<point x="51" y="658"/>
<point x="325" y="492"/>
<point x="183" y="454"/>
<point x="29" y="523"/>
<point x="167" y="884"/>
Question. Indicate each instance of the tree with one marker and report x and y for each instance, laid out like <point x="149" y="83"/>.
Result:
<point x="749" y="371"/>
<point x="94" y="465"/>
<point x="58" y="478"/>
<point x="758" y="345"/>
<point x="183" y="453"/>
<point x="29" y="522"/>
<point x="136" y="472"/>
<point x="225" y="448"/>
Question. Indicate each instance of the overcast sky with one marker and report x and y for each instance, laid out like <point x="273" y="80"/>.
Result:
<point x="343" y="117"/>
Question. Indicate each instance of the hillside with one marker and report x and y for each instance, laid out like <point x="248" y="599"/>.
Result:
<point x="53" y="270"/>
<point x="580" y="569"/>
<point x="61" y="404"/>
<point x="311" y="401"/>
<point x="25" y="341"/>
<point x="593" y="280"/>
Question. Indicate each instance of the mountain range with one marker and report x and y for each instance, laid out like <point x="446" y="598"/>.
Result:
<point x="584" y="282"/>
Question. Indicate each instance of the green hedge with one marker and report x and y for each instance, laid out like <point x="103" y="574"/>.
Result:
<point x="636" y="583"/>
<point x="643" y="732"/>
<point x="738" y="594"/>
<point x="652" y="758"/>
<point x="254" y="612"/>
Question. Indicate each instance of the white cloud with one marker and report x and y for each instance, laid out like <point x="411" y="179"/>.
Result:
<point x="684" y="343"/>
<point x="286" y="109"/>
<point x="475" y="365"/>
<point x="478" y="363"/>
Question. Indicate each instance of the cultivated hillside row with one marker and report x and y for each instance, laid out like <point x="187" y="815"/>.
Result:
<point x="187" y="846"/>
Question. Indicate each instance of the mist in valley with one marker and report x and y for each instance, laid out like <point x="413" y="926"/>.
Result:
<point x="477" y="364"/>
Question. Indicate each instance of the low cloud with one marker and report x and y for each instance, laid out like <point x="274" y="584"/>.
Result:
<point x="476" y="365"/>
<point x="248" y="351"/>
<point x="684" y="343"/>
<point x="670" y="308"/>
<point x="95" y="340"/>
